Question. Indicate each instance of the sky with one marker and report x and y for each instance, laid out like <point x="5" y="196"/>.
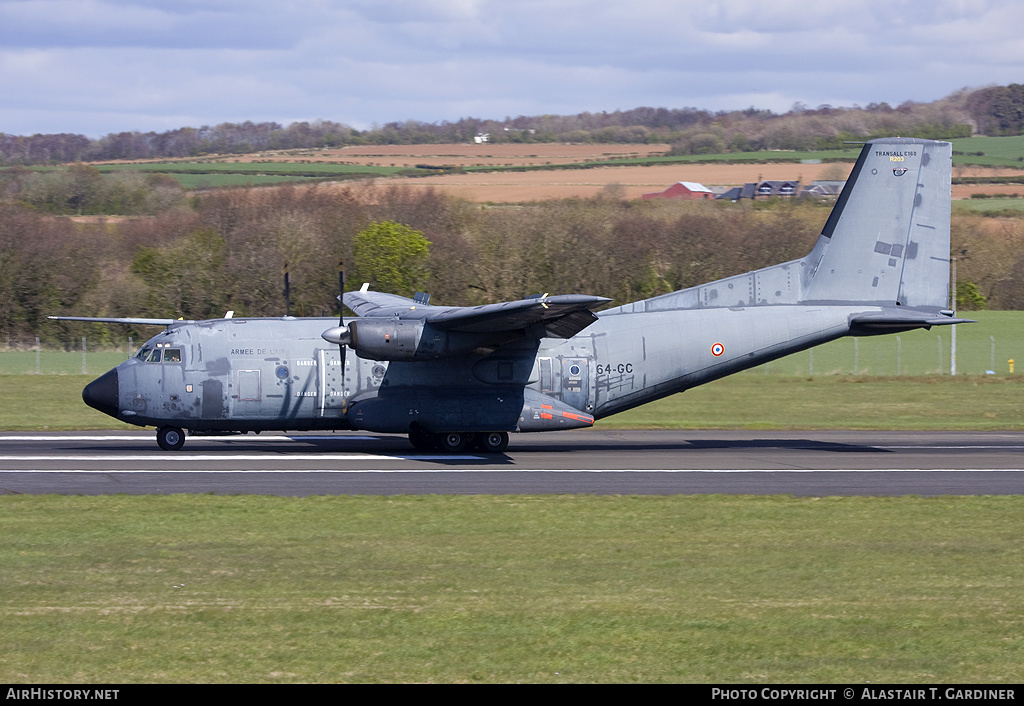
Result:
<point x="101" y="66"/>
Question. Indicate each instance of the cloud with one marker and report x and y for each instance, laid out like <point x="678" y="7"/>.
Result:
<point x="97" y="66"/>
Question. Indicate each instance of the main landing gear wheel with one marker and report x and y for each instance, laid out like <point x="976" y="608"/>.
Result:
<point x="421" y="440"/>
<point x="452" y="442"/>
<point x="170" y="438"/>
<point x="493" y="442"/>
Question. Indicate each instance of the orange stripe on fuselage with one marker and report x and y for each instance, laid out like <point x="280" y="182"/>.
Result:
<point x="578" y="417"/>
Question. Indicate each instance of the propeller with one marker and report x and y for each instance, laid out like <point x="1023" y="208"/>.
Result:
<point x="340" y="334"/>
<point x="287" y="292"/>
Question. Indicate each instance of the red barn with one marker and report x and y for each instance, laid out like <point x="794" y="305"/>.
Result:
<point x="683" y="190"/>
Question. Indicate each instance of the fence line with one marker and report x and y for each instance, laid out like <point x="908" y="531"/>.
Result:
<point x="913" y="353"/>
<point x="70" y="358"/>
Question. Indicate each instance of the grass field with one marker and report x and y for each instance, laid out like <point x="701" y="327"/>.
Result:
<point x="203" y="589"/>
<point x="997" y="151"/>
<point x="448" y="589"/>
<point x="317" y="169"/>
<point x="991" y="206"/>
<point x="210" y="181"/>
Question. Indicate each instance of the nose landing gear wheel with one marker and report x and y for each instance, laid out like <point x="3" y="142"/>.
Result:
<point x="170" y="438"/>
<point x="421" y="440"/>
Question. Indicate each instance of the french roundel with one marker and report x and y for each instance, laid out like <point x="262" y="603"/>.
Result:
<point x="717" y="349"/>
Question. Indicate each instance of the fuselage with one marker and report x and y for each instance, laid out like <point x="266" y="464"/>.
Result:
<point x="259" y="374"/>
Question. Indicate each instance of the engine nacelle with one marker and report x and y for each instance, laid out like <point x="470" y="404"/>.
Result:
<point x="406" y="340"/>
<point x="388" y="339"/>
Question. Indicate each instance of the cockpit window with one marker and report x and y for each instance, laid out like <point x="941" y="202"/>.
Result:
<point x="143" y="353"/>
<point x="172" y="355"/>
<point x="154" y="357"/>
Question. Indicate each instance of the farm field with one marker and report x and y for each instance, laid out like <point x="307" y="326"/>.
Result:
<point x="473" y="155"/>
<point x="628" y="182"/>
<point x="631" y="182"/>
<point x="548" y="175"/>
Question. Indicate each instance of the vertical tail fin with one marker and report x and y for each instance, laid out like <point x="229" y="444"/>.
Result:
<point x="886" y="242"/>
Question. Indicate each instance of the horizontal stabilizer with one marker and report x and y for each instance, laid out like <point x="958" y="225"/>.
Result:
<point x="894" y="321"/>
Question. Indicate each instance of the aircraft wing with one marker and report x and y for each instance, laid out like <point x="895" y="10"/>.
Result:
<point x="561" y="316"/>
<point x="367" y="303"/>
<point x="113" y="320"/>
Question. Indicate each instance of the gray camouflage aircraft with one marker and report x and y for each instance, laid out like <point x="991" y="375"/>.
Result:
<point x="451" y="377"/>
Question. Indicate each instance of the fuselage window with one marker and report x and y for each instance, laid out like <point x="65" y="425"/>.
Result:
<point x="172" y="355"/>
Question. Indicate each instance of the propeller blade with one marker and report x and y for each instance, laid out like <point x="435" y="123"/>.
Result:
<point x="341" y="316"/>
<point x="287" y="292"/>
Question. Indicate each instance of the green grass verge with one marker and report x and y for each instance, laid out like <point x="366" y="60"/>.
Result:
<point x="316" y="169"/>
<point x="213" y="181"/>
<point x="206" y="174"/>
<point x="51" y="362"/>
<point x="511" y="588"/>
<point x="751" y="401"/>
<point x="989" y="344"/>
<point x="49" y="403"/>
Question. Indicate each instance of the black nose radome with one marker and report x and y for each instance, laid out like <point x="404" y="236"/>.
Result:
<point x="102" y="392"/>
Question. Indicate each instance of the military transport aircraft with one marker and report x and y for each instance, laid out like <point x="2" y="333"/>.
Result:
<point x="451" y="377"/>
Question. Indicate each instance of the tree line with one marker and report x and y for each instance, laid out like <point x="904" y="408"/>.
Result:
<point x="83" y="190"/>
<point x="226" y="251"/>
<point x="993" y="110"/>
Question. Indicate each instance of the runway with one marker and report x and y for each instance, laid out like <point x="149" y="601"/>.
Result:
<point x="592" y="461"/>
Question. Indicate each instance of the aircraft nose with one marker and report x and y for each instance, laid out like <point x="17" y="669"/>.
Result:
<point x="102" y="393"/>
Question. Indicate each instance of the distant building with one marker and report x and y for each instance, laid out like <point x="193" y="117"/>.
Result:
<point x="739" y="192"/>
<point x="822" y="190"/>
<point x="767" y="189"/>
<point x="683" y="190"/>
